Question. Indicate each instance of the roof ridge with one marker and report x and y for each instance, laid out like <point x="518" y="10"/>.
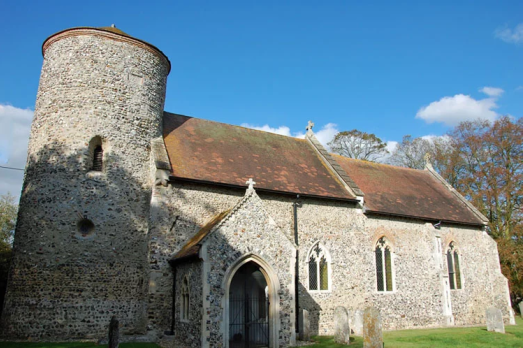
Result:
<point x="378" y="163"/>
<point x="235" y="125"/>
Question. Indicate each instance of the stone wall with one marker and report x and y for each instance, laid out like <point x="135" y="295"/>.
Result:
<point x="67" y="280"/>
<point x="350" y="237"/>
<point x="188" y="332"/>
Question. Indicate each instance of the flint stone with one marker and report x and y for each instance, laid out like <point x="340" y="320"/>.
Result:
<point x="304" y="325"/>
<point x="521" y="308"/>
<point x="341" y="325"/>
<point x="495" y="320"/>
<point x="372" y="328"/>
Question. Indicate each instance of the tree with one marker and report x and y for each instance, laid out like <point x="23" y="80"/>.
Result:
<point x="411" y="153"/>
<point x="358" y="145"/>
<point x="8" y="211"/>
<point x="486" y="166"/>
<point x="490" y="171"/>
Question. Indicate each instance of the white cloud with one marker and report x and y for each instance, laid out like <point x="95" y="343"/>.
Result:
<point x="282" y="130"/>
<point x="324" y="135"/>
<point x="327" y="133"/>
<point x="492" y="91"/>
<point x="459" y="108"/>
<point x="15" y="124"/>
<point x="391" y="146"/>
<point x="509" y="35"/>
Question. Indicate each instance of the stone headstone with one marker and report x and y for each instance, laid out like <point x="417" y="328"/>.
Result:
<point x="341" y="325"/>
<point x="372" y="330"/>
<point x="356" y="322"/>
<point x="304" y="325"/>
<point x="521" y="308"/>
<point x="495" y="320"/>
<point x="114" y="333"/>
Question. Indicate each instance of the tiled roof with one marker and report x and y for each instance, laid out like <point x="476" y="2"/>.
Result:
<point x="220" y="153"/>
<point x="192" y="247"/>
<point x="406" y="192"/>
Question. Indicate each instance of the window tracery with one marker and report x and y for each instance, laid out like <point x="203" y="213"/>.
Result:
<point x="453" y="265"/>
<point x="384" y="274"/>
<point x="319" y="264"/>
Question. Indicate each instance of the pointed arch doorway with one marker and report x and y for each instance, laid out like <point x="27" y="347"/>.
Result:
<point x="252" y="305"/>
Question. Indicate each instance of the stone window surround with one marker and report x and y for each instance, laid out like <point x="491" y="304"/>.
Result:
<point x="185" y="304"/>
<point x="452" y="247"/>
<point x="387" y="245"/>
<point x="326" y="253"/>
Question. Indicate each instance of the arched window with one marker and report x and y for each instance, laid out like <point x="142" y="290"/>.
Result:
<point x="96" y="153"/>
<point x="184" y="315"/>
<point x="384" y="265"/>
<point x="453" y="267"/>
<point x="319" y="264"/>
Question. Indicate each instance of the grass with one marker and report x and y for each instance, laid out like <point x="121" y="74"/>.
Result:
<point x="72" y="345"/>
<point x="468" y="337"/>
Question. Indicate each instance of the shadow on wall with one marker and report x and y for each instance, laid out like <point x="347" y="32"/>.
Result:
<point x="315" y="310"/>
<point x="80" y="248"/>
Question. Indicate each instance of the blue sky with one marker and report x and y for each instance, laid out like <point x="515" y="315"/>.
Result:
<point x="389" y="67"/>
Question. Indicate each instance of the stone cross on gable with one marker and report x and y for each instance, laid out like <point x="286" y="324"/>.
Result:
<point x="251" y="184"/>
<point x="309" y="126"/>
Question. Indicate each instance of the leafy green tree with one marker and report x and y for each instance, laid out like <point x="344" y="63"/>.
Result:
<point x="8" y="210"/>
<point x="358" y="145"/>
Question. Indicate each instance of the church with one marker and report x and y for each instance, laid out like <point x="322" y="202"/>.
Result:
<point x="214" y="235"/>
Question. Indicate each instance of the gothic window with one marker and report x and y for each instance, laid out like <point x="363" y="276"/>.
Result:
<point x="319" y="263"/>
<point x="453" y="267"/>
<point x="384" y="265"/>
<point x="185" y="300"/>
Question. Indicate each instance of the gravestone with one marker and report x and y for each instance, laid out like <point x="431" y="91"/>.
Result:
<point x="341" y="325"/>
<point x="495" y="320"/>
<point x="372" y="330"/>
<point x="521" y="309"/>
<point x="356" y="322"/>
<point x="114" y="333"/>
<point x="304" y="325"/>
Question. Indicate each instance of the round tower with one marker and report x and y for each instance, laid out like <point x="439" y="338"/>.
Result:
<point x="80" y="250"/>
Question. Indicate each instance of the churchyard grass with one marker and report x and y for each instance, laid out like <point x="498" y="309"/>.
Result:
<point x="467" y="337"/>
<point x="72" y="345"/>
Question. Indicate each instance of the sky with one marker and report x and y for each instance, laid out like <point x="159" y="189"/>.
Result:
<point x="390" y="68"/>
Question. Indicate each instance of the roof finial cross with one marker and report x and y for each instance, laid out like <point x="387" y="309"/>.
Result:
<point x="428" y="159"/>
<point x="251" y="184"/>
<point x="309" y="126"/>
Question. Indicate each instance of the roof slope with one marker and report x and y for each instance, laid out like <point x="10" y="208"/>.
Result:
<point x="406" y="192"/>
<point x="221" y="153"/>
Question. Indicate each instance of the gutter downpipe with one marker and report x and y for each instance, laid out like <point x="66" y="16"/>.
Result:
<point x="173" y="310"/>
<point x="295" y="205"/>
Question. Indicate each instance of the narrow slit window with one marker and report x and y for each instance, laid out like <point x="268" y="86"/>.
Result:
<point x="185" y="300"/>
<point x="98" y="156"/>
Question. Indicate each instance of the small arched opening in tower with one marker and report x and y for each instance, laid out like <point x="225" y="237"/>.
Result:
<point x="98" y="156"/>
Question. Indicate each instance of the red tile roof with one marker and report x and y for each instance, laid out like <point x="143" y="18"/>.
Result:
<point x="222" y="153"/>
<point x="193" y="245"/>
<point x="406" y="192"/>
<point x="219" y="153"/>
